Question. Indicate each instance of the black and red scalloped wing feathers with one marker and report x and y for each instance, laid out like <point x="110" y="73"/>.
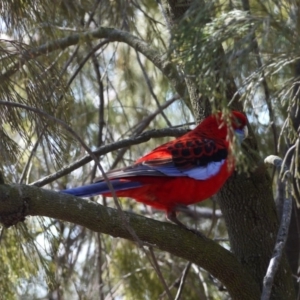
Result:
<point x="187" y="152"/>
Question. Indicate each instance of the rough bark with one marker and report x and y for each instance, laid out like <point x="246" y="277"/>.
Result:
<point x="250" y="215"/>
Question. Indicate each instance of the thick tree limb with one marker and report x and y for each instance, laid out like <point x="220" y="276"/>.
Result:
<point x="16" y="200"/>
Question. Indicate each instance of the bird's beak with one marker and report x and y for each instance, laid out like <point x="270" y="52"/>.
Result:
<point x="246" y="132"/>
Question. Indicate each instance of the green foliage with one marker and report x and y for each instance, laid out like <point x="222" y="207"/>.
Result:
<point x="105" y="91"/>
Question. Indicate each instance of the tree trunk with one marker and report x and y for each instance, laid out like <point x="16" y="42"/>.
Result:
<point x="246" y="200"/>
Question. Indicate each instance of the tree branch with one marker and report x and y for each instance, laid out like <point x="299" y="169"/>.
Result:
<point x="146" y="136"/>
<point x="283" y="229"/>
<point x="111" y="34"/>
<point x="16" y="200"/>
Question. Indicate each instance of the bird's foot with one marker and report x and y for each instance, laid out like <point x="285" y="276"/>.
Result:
<point x="171" y="216"/>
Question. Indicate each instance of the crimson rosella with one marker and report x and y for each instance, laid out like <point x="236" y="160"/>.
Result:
<point x="181" y="172"/>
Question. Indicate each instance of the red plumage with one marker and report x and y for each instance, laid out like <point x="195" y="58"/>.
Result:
<point x="181" y="172"/>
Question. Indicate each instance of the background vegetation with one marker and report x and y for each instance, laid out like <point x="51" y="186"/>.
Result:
<point x="107" y="76"/>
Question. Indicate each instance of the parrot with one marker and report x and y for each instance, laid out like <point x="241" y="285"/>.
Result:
<point x="184" y="171"/>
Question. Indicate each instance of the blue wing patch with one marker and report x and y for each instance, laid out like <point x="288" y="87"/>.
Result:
<point x="198" y="173"/>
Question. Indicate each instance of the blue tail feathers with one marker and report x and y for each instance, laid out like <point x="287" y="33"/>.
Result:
<point x="101" y="187"/>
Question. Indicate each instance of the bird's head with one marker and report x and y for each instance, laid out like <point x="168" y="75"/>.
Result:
<point x="220" y="125"/>
<point x="239" y="125"/>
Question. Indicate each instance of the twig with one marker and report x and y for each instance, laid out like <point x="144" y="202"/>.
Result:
<point x="146" y="136"/>
<point x="158" y="272"/>
<point x="246" y="7"/>
<point x="283" y="229"/>
<point x="110" y="34"/>
<point x="148" y="82"/>
<point x="182" y="280"/>
<point x="140" y="127"/>
<point x="30" y="157"/>
<point x="66" y="127"/>
<point x="193" y="211"/>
